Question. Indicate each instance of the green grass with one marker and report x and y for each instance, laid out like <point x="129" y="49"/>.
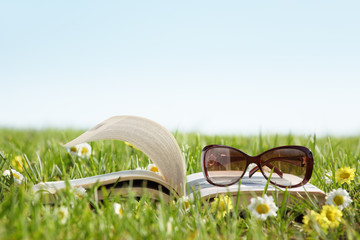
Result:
<point x="23" y="216"/>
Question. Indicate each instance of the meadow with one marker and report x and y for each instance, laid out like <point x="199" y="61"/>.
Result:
<point x="39" y="156"/>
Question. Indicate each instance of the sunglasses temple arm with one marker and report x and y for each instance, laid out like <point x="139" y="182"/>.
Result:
<point x="292" y="160"/>
<point x="276" y="170"/>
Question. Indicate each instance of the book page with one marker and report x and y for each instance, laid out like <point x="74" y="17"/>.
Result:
<point x="248" y="186"/>
<point x="149" y="137"/>
<point x="138" y="182"/>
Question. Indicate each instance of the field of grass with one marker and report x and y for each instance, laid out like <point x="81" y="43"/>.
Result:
<point x="24" y="216"/>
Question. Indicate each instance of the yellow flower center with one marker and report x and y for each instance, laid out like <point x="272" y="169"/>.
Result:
<point x="17" y="176"/>
<point x="338" y="200"/>
<point x="222" y="206"/>
<point x="262" y="208"/>
<point x="61" y="214"/>
<point x="73" y="149"/>
<point x="84" y="150"/>
<point x="187" y="204"/>
<point x="330" y="215"/>
<point x="345" y="175"/>
<point x="154" y="169"/>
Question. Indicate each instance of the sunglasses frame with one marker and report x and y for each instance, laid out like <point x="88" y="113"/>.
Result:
<point x="257" y="161"/>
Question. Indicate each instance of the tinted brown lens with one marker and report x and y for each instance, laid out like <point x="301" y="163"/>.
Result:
<point x="224" y="165"/>
<point x="288" y="166"/>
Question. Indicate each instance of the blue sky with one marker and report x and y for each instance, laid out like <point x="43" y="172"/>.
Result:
<point x="234" y="67"/>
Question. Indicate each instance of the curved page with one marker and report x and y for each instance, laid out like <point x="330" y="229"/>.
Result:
<point x="149" y="137"/>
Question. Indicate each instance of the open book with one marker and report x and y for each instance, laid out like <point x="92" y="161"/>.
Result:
<point x="161" y="147"/>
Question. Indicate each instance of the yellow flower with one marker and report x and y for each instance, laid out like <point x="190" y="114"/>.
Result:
<point x="345" y="174"/>
<point x="332" y="214"/>
<point x="221" y="205"/>
<point x="17" y="163"/>
<point x="314" y="220"/>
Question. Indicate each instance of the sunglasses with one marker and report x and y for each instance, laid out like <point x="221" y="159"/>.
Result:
<point x="289" y="166"/>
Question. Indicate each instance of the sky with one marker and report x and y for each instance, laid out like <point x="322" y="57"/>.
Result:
<point x="214" y="67"/>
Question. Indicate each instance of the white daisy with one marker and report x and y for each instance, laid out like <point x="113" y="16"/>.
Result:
<point x="339" y="198"/>
<point x="73" y="150"/>
<point x="184" y="203"/>
<point x="262" y="207"/>
<point x="118" y="209"/>
<point x="82" y="150"/>
<point x="63" y="214"/>
<point x="79" y="192"/>
<point x="18" y="177"/>
<point x="153" y="168"/>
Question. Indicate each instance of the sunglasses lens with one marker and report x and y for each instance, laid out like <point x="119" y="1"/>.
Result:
<point x="288" y="166"/>
<point x="224" y="165"/>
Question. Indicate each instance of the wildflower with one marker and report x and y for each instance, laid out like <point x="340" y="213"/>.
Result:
<point x="18" y="177"/>
<point x="339" y="198"/>
<point x="17" y="163"/>
<point x="184" y="203"/>
<point x="314" y="220"/>
<point x="79" y="192"/>
<point x="328" y="177"/>
<point x="73" y="150"/>
<point x="221" y="205"/>
<point x="82" y="150"/>
<point x="332" y="214"/>
<point x="153" y="168"/>
<point x="118" y="209"/>
<point x="63" y="214"/>
<point x="345" y="174"/>
<point x="263" y="207"/>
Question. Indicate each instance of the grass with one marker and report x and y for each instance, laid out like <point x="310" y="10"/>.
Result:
<point x="24" y="216"/>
